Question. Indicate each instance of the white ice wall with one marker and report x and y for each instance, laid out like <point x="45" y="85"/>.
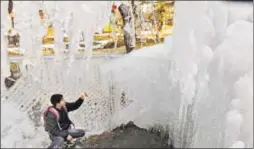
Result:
<point x="209" y="64"/>
<point x="22" y="104"/>
<point x="18" y="131"/>
<point x="221" y="48"/>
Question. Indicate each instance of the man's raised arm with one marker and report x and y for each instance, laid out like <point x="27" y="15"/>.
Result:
<point x="71" y="106"/>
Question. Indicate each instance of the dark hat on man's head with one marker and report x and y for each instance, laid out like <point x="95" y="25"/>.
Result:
<point x="56" y="98"/>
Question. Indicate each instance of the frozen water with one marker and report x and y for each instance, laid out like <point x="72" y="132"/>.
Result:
<point x="22" y="135"/>
<point x="199" y="82"/>
<point x="30" y="94"/>
<point x="209" y="64"/>
<point x="238" y="144"/>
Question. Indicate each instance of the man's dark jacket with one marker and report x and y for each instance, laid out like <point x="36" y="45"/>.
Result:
<point x="52" y="125"/>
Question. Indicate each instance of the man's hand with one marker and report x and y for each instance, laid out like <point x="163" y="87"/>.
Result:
<point x="83" y="95"/>
<point x="69" y="138"/>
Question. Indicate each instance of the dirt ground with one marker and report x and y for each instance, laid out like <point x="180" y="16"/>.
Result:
<point x="125" y="136"/>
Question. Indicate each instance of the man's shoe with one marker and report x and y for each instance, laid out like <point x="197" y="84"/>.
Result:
<point x="69" y="144"/>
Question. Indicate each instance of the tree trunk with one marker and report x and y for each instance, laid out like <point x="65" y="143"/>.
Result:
<point x="133" y="30"/>
<point x="135" y="18"/>
<point x="129" y="35"/>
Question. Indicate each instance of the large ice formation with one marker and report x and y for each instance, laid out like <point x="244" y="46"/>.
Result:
<point x="198" y="84"/>
<point x="201" y="85"/>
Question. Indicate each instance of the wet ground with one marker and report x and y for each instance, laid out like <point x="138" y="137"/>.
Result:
<point x="125" y="136"/>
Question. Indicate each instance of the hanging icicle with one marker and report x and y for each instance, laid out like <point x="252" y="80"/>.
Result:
<point x="66" y="26"/>
<point x="66" y="42"/>
<point x="48" y="40"/>
<point x="142" y="25"/>
<point x="12" y="36"/>
<point x="81" y="45"/>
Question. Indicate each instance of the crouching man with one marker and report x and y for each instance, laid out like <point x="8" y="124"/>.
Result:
<point x="57" y="122"/>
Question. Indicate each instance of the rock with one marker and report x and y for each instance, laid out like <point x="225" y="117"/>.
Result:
<point x="126" y="136"/>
